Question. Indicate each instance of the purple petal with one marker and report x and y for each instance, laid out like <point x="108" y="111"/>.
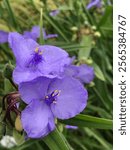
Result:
<point x="36" y="89"/>
<point x="29" y="35"/>
<point x="37" y="119"/>
<point x="92" y="3"/>
<point x="71" y="70"/>
<point x="49" y="36"/>
<point x="22" y="48"/>
<point x="25" y="75"/>
<point x="55" y="59"/>
<point x="71" y="127"/>
<point x="3" y="37"/>
<point x="83" y="72"/>
<point x="54" y="12"/>
<point x="86" y="73"/>
<point x="35" y="33"/>
<point x="72" y="99"/>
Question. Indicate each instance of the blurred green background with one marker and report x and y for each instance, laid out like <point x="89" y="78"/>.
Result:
<point x="86" y="34"/>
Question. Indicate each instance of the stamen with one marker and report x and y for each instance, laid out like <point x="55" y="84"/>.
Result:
<point x="36" y="50"/>
<point x="40" y="53"/>
<point x="52" y="98"/>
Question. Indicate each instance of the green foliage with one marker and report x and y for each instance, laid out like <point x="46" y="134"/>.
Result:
<point x="82" y="33"/>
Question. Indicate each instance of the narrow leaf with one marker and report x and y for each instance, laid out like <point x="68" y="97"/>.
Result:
<point x="99" y="74"/>
<point x="56" y="141"/>
<point x="89" y="121"/>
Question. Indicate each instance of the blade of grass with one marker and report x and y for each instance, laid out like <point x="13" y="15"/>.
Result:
<point x="89" y="121"/>
<point x="55" y="141"/>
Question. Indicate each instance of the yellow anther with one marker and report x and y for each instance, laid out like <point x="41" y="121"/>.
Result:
<point x="56" y="91"/>
<point x="36" y="50"/>
<point x="53" y="94"/>
<point x="40" y="53"/>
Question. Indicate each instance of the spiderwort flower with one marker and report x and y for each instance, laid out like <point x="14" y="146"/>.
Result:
<point x="35" y="34"/>
<point x="34" y="60"/>
<point x="96" y="3"/>
<point x="83" y="73"/>
<point x="48" y="99"/>
<point x="54" y="12"/>
<point x="3" y="37"/>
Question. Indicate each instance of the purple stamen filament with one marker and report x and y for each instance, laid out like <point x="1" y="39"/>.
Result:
<point x="36" y="58"/>
<point x="52" y="98"/>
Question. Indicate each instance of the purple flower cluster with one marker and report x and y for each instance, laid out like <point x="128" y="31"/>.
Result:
<point x="48" y="83"/>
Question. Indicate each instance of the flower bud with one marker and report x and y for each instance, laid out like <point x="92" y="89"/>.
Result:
<point x="74" y="29"/>
<point x="97" y="34"/>
<point x="18" y="124"/>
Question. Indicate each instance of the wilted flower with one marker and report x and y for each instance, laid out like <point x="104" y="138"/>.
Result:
<point x="54" y="12"/>
<point x="48" y="99"/>
<point x="35" y="34"/>
<point x="34" y="60"/>
<point x="3" y="37"/>
<point x="96" y="3"/>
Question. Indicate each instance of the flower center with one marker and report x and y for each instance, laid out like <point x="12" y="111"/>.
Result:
<point x="36" y="59"/>
<point x="52" y="98"/>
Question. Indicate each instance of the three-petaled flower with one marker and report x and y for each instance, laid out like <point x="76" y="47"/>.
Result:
<point x="48" y="99"/>
<point x="34" y="60"/>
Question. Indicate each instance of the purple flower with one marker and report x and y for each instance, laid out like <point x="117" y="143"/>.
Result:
<point x="48" y="99"/>
<point x="83" y="72"/>
<point x="3" y="37"/>
<point x="96" y="3"/>
<point x="35" y="33"/>
<point x="71" y="127"/>
<point x="54" y="12"/>
<point x="34" y="60"/>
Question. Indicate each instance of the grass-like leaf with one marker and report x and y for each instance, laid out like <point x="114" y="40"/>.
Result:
<point x="89" y="121"/>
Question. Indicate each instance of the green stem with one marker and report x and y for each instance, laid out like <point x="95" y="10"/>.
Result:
<point x="56" y="141"/>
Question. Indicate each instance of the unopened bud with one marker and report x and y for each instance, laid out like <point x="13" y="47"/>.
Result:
<point x="94" y="27"/>
<point x="74" y="29"/>
<point x="89" y="61"/>
<point x="18" y="124"/>
<point x="91" y="84"/>
<point x="97" y="34"/>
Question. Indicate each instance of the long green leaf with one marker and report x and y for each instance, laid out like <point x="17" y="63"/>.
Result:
<point x="56" y="141"/>
<point x="89" y="121"/>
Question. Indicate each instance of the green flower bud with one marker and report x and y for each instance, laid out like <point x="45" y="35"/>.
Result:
<point x="18" y="124"/>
